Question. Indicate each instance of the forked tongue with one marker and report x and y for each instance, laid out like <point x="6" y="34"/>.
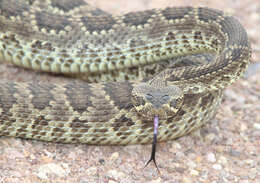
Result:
<point x="155" y="131"/>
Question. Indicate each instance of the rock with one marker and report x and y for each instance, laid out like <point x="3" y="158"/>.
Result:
<point x="186" y="180"/>
<point x="211" y="157"/>
<point x="116" y="175"/>
<point x="114" y="156"/>
<point x="252" y="173"/>
<point x="243" y="127"/>
<point x="222" y="160"/>
<point x="175" y="147"/>
<point x="91" y="171"/>
<point x="194" y="172"/>
<point x="159" y="180"/>
<point x="234" y="153"/>
<point x="256" y="126"/>
<point x="217" y="166"/>
<point x="111" y="181"/>
<point x="51" y="168"/>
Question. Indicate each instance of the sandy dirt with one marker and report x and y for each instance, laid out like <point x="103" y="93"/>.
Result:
<point x="227" y="151"/>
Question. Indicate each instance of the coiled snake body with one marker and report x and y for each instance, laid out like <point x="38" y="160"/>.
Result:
<point x="139" y="64"/>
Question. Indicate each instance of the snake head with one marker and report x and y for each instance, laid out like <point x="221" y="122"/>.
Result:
<point x="150" y="101"/>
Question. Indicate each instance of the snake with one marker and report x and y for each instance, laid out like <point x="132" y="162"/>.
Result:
<point x="171" y="64"/>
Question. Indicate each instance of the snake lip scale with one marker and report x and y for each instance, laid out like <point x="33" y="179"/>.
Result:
<point x="172" y="62"/>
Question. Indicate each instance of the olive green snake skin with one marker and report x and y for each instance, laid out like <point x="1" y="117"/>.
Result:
<point x="121" y="58"/>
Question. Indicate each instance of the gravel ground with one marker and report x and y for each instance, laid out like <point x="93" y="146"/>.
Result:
<point x="226" y="151"/>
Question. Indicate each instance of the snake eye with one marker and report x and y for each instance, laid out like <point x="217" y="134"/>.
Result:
<point x="149" y="97"/>
<point x="165" y="98"/>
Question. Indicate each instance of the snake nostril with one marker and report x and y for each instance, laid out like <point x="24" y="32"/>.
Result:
<point x="141" y="101"/>
<point x="157" y="105"/>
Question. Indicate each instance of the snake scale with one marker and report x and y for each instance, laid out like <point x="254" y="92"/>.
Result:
<point x="137" y="66"/>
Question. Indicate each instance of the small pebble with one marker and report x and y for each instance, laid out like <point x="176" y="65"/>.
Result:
<point x="250" y="162"/>
<point x="204" y="174"/>
<point x="51" y="168"/>
<point x="217" y="166"/>
<point x="111" y="181"/>
<point x="211" y="157"/>
<point x="114" y="156"/>
<point x="222" y="160"/>
<point x="175" y="146"/>
<point x="245" y="181"/>
<point x="91" y="171"/>
<point x="101" y="161"/>
<point x="234" y="153"/>
<point x="83" y="181"/>
<point x="256" y="126"/>
<point x="198" y="159"/>
<point x="210" y="137"/>
<point x="116" y="175"/>
<point x="194" y="172"/>
<point x="159" y="180"/>
<point x="243" y="127"/>
<point x="180" y="155"/>
<point x="229" y="141"/>
<point x="192" y="164"/>
<point x="180" y="169"/>
<point x="253" y="173"/>
<point x="186" y="180"/>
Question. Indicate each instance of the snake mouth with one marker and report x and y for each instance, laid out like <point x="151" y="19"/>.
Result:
<point x="159" y="113"/>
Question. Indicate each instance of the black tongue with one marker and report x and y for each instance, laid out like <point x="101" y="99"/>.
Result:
<point x="155" y="130"/>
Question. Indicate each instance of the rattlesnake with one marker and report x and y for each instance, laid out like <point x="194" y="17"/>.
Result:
<point x="134" y="63"/>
